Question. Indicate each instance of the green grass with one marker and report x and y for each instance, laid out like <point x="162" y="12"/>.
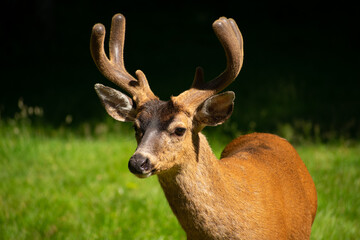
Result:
<point x="62" y="186"/>
<point x="336" y="172"/>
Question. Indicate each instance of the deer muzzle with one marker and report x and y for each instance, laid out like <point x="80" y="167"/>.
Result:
<point x="140" y="165"/>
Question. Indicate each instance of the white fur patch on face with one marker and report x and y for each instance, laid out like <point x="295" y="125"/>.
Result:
<point x="145" y="175"/>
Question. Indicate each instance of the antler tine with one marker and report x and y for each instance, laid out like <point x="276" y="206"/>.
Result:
<point x="117" y="39"/>
<point x="230" y="38"/>
<point x="114" y="69"/>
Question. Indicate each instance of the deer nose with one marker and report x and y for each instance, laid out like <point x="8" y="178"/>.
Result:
<point x="139" y="164"/>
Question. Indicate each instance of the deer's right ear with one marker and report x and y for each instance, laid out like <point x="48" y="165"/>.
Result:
<point x="216" y="109"/>
<point x="117" y="105"/>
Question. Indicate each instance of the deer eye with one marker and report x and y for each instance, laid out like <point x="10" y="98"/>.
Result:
<point x="180" y="131"/>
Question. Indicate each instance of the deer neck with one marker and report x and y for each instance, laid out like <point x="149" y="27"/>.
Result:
<point x="198" y="164"/>
<point x="194" y="188"/>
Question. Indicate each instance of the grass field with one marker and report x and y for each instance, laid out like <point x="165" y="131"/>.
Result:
<point x="63" y="186"/>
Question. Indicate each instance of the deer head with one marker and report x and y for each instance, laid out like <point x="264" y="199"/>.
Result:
<point x="166" y="131"/>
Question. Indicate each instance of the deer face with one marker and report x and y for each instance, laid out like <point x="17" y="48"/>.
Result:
<point x="165" y="131"/>
<point x="161" y="130"/>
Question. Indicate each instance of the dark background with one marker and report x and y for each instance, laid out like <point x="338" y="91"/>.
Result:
<point x="301" y="65"/>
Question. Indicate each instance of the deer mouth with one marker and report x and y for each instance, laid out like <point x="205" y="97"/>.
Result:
<point x="146" y="174"/>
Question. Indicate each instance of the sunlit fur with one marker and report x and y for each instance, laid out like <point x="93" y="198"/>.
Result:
<point x="260" y="189"/>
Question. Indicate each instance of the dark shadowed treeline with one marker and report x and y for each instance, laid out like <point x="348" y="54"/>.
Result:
<point x="300" y="74"/>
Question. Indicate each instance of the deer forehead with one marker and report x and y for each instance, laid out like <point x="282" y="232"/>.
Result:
<point x="163" y="115"/>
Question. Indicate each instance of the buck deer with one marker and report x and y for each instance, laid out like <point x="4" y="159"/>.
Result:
<point x="260" y="189"/>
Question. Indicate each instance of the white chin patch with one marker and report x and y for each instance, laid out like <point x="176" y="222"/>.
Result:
<point x="146" y="175"/>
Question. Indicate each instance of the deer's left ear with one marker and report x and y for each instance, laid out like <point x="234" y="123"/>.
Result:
<point x="117" y="105"/>
<point x="216" y="109"/>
